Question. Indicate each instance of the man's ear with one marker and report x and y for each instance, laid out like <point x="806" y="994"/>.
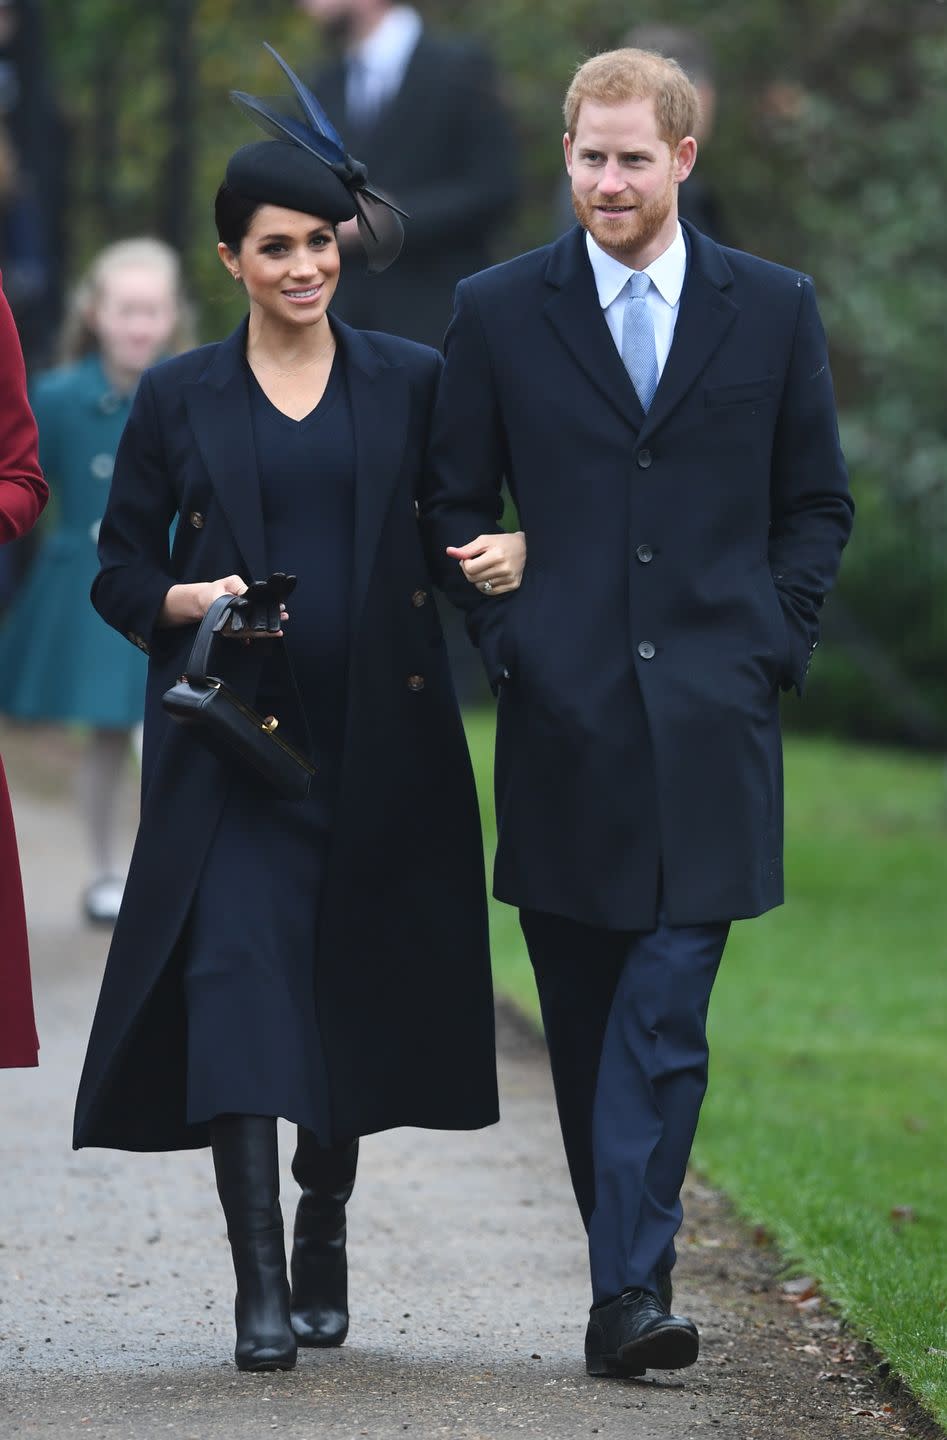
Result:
<point x="567" y="148"/>
<point x="684" y="158"/>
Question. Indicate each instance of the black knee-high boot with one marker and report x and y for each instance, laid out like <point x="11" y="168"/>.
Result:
<point x="326" y="1175"/>
<point x="246" y="1161"/>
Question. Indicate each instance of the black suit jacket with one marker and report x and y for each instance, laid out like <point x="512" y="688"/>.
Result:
<point x="677" y="564"/>
<point x="403" y="911"/>
<point x="443" y="149"/>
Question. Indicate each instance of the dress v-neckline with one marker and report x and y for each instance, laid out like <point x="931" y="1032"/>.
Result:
<point x="324" y="403"/>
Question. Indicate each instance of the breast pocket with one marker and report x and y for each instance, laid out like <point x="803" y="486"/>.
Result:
<point x="744" y="393"/>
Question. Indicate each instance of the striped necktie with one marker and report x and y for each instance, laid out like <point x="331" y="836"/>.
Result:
<point x="637" y="339"/>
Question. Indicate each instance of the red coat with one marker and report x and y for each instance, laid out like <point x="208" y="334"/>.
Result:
<point x="23" y="493"/>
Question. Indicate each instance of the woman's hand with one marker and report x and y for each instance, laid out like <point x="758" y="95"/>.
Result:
<point x="188" y="604"/>
<point x="494" y="563"/>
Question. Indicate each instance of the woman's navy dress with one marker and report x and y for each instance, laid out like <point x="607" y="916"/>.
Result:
<point x="250" y="944"/>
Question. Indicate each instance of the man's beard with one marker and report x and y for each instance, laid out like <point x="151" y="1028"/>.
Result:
<point x="631" y="235"/>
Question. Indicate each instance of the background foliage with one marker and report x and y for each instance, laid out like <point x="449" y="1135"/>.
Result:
<point x="830" y="154"/>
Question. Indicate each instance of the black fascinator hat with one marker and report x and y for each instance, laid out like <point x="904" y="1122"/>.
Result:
<point x="306" y="167"/>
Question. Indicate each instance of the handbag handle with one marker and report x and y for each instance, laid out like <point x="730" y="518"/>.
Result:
<point x="199" y="659"/>
<point x="212" y="623"/>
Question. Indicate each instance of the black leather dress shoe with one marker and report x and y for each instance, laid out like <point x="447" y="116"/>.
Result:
<point x="634" y="1333"/>
<point x="665" y="1290"/>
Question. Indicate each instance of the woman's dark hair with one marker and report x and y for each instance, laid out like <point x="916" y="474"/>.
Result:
<point x="233" y="215"/>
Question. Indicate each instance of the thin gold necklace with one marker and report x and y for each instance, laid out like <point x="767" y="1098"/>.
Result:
<point x="268" y="364"/>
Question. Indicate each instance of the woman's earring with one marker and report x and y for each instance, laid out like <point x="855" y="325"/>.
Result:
<point x="236" y="274"/>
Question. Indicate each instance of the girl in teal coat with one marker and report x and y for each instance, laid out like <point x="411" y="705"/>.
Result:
<point x="58" y="662"/>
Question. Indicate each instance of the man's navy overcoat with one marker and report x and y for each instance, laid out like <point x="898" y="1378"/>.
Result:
<point x="403" y="982"/>
<point x="677" y="564"/>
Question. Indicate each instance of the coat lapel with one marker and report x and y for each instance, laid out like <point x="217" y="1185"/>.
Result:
<point x="220" y="417"/>
<point x="219" y="411"/>
<point x="399" y="115"/>
<point x="575" y="314"/>
<point x="380" y="407"/>
<point x="705" y="315"/>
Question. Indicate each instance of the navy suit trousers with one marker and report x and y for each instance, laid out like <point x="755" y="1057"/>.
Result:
<point x="625" y="1015"/>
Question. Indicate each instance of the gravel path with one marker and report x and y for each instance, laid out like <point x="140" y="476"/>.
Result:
<point x="468" y="1279"/>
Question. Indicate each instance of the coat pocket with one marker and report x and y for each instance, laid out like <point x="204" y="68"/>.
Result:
<point x="742" y="394"/>
<point x="782" y="638"/>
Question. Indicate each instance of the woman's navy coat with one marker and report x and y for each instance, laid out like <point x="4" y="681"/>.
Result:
<point x="403" y="980"/>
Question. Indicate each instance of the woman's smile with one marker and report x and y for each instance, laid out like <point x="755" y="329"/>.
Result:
<point x="304" y="295"/>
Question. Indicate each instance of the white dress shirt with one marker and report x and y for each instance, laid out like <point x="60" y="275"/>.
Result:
<point x="664" y="295"/>
<point x="376" y="67"/>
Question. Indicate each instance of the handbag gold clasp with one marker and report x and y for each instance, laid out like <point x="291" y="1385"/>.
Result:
<point x="270" y="724"/>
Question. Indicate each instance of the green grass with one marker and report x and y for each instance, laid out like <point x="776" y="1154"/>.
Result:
<point x="826" y="1109"/>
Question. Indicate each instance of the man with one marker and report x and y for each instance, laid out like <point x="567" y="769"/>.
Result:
<point x="663" y="411"/>
<point x="424" y="115"/>
<point x="697" y="201"/>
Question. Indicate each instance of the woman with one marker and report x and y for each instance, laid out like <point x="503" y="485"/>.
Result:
<point x="23" y="494"/>
<point x="327" y="961"/>
<point x="127" y="312"/>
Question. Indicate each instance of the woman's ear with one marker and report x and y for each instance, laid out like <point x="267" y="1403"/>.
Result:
<point x="229" y="260"/>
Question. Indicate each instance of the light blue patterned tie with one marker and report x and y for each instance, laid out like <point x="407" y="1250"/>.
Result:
<point x="637" y="339"/>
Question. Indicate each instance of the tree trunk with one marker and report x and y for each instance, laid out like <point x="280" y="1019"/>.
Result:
<point x="176" y="197"/>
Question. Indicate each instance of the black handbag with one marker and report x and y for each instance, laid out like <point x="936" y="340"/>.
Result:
<point x="230" y="728"/>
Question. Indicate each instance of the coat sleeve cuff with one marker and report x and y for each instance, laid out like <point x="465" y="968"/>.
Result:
<point x="486" y="628"/>
<point x="803" y="641"/>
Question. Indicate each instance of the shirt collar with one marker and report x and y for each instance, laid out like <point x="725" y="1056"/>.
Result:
<point x="666" y="273"/>
<point x="391" y="44"/>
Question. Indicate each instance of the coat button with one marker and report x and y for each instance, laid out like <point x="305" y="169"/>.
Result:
<point x="419" y="598"/>
<point x="645" y="554"/>
<point x="646" y="650"/>
<point x="101" y="466"/>
<point x="415" y="682"/>
<point x="196" y="519"/>
<point x="644" y="459"/>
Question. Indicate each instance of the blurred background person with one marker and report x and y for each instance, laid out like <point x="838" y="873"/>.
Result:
<point x="32" y="204"/>
<point x="426" y="115"/>
<point x="58" y="663"/>
<point x="31" y="248"/>
<point x="23" y="494"/>
<point x="697" y="200"/>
